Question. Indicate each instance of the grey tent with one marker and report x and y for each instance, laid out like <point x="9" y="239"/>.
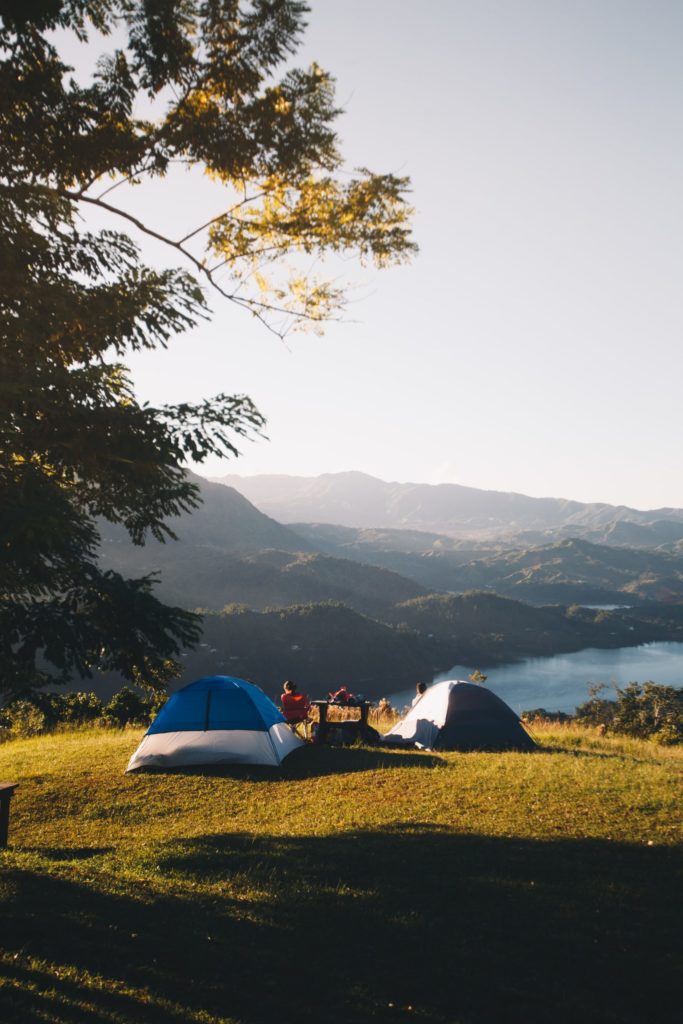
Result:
<point x="454" y="715"/>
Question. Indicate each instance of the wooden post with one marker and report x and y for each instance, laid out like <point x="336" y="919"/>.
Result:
<point x="6" y="794"/>
<point x="363" y="727"/>
<point x="321" y="734"/>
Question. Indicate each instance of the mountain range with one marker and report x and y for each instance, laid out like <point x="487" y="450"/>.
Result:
<point x="357" y="500"/>
<point x="229" y="552"/>
<point x="378" y="607"/>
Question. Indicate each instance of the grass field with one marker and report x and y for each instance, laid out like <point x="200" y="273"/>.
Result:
<point x="355" y="885"/>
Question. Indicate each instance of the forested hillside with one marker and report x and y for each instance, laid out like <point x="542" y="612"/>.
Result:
<point x="488" y="628"/>
<point x="575" y="570"/>
<point x="322" y="645"/>
<point x="566" y="571"/>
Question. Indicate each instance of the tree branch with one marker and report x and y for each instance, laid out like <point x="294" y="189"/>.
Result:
<point x="258" y="309"/>
<point x="122" y="181"/>
<point x="214" y="220"/>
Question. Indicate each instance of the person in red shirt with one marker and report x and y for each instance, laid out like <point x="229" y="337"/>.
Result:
<point x="295" y="706"/>
<point x="342" y="696"/>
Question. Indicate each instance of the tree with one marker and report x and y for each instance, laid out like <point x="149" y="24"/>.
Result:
<point x="75" y="444"/>
<point x="647" y="711"/>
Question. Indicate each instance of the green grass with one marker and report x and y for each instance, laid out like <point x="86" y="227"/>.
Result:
<point x="355" y="885"/>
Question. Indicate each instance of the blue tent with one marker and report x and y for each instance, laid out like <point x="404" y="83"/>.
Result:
<point x="217" y="720"/>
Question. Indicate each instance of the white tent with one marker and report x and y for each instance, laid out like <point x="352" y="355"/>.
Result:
<point x="217" y="720"/>
<point x="455" y="715"/>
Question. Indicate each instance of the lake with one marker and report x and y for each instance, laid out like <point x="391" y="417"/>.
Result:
<point x="561" y="682"/>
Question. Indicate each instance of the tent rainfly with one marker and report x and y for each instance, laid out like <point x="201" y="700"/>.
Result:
<point x="454" y="715"/>
<point x="217" y="720"/>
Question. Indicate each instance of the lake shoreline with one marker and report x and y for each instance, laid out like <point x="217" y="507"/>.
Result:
<point x="560" y="682"/>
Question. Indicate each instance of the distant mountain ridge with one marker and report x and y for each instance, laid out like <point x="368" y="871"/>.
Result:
<point x="228" y="552"/>
<point x="357" y="500"/>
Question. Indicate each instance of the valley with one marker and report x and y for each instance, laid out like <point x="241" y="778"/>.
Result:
<point x="378" y="607"/>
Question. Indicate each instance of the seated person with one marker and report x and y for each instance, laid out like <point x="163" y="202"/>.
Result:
<point x="419" y="693"/>
<point x="342" y="696"/>
<point x="295" y="706"/>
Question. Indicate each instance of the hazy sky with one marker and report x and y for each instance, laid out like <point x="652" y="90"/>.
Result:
<point x="535" y="343"/>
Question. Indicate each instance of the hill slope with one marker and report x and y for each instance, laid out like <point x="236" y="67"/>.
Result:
<point x="277" y="579"/>
<point x="568" y="571"/>
<point x="320" y="646"/>
<point x="575" y="570"/>
<point x="225" y="521"/>
<point x="487" y="628"/>
<point x="168" y="897"/>
<point x="227" y="551"/>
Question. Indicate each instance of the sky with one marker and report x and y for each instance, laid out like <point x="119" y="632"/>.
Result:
<point x="534" y="344"/>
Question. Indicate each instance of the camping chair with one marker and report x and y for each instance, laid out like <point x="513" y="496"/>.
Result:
<point x="296" y="708"/>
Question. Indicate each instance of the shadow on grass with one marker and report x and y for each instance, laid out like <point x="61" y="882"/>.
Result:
<point x="68" y="852"/>
<point x="312" y="761"/>
<point x="403" y="924"/>
<point x="326" y="760"/>
<point x="596" y="755"/>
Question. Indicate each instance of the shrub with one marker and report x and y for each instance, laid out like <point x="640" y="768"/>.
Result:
<point x="80" y="708"/>
<point x="43" y="712"/>
<point x="597" y="711"/>
<point x="126" y="708"/>
<point x="650" y="711"/>
<point x="541" y="715"/>
<point x="155" y="704"/>
<point x="647" y="711"/>
<point x="23" y="719"/>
